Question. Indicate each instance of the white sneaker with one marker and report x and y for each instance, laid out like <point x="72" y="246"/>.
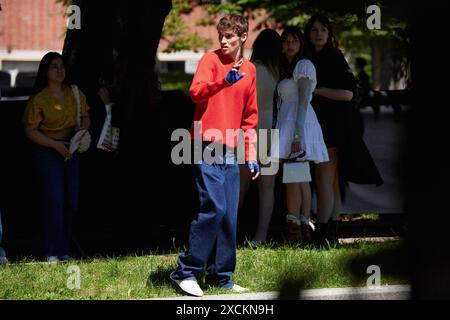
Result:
<point x="237" y="288"/>
<point x="190" y="286"/>
<point x="52" y="259"/>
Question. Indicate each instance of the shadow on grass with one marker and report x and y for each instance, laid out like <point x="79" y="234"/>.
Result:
<point x="290" y="288"/>
<point x="392" y="263"/>
<point x="161" y="277"/>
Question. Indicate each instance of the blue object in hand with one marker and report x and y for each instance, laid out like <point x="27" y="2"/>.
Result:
<point x="253" y="165"/>
<point x="233" y="75"/>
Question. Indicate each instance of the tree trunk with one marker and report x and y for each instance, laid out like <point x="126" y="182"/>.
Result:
<point x="116" y="47"/>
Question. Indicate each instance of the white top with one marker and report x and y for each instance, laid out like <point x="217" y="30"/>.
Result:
<point x="296" y="118"/>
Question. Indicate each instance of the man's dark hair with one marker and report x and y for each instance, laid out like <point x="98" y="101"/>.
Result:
<point x="235" y="22"/>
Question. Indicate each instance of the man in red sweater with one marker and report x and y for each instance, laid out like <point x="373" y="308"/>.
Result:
<point x="224" y="90"/>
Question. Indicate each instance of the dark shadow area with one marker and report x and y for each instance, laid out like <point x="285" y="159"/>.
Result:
<point x="386" y="225"/>
<point x="290" y="289"/>
<point x="428" y="178"/>
<point x="392" y="262"/>
<point x="159" y="277"/>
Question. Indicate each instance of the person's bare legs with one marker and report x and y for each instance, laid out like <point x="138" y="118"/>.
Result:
<point x="298" y="198"/>
<point x="325" y="182"/>
<point x="306" y="199"/>
<point x="333" y="223"/>
<point x="337" y="199"/>
<point x="305" y="212"/>
<point x="293" y="198"/>
<point x="245" y="179"/>
<point x="266" y="190"/>
<point x="294" y="203"/>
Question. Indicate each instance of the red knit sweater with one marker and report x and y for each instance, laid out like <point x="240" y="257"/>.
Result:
<point x="222" y="106"/>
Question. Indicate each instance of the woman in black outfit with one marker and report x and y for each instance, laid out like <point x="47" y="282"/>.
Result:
<point x="332" y="102"/>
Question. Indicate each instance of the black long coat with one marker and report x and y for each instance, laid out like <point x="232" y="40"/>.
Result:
<point x="341" y="122"/>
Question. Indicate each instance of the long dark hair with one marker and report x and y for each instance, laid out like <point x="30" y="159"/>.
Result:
<point x="267" y="51"/>
<point x="41" y="79"/>
<point x="332" y="39"/>
<point x="288" y="68"/>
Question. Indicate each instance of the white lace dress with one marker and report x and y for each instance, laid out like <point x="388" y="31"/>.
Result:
<point x="296" y="116"/>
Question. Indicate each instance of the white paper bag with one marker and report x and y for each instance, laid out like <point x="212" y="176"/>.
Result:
<point x="294" y="172"/>
<point x="109" y="137"/>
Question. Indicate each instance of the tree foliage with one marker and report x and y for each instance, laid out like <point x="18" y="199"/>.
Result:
<point x="349" y="19"/>
<point x="177" y="33"/>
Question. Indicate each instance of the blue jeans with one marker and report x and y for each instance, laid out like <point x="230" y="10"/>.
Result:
<point x="212" y="237"/>
<point x="59" y="183"/>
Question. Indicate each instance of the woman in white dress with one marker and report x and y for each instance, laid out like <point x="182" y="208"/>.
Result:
<point x="300" y="134"/>
<point x="266" y="57"/>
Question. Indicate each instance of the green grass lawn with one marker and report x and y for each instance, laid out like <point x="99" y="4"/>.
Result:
<point x="267" y="268"/>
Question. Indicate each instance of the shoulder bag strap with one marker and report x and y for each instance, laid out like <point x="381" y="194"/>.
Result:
<point x="76" y="93"/>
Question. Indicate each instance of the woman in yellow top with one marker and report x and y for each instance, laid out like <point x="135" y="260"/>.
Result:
<point x="50" y="120"/>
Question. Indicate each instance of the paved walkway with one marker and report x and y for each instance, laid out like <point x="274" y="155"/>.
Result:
<point x="385" y="139"/>
<point x="393" y="292"/>
<point x="367" y="239"/>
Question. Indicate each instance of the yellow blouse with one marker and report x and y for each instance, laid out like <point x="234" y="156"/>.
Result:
<point x="54" y="116"/>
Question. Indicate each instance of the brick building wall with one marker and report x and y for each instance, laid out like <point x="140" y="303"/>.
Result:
<point x="32" y="25"/>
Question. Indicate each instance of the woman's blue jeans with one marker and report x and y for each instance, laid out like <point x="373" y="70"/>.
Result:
<point x="59" y="186"/>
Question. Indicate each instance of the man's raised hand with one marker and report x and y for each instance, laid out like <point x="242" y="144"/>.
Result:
<point x="233" y="75"/>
